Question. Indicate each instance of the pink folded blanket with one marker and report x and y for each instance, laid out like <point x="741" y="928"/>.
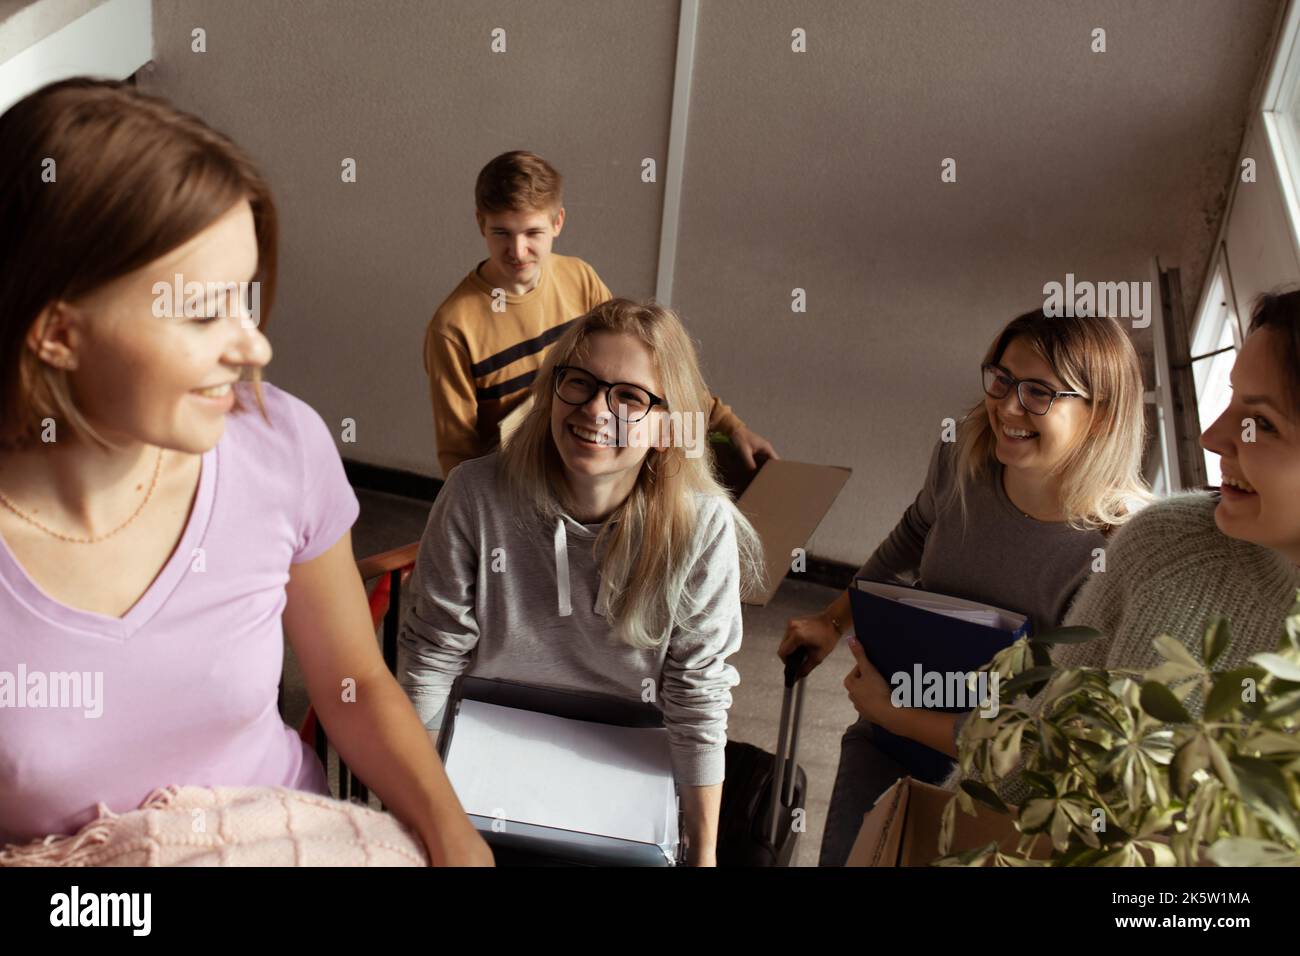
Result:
<point x="230" y="826"/>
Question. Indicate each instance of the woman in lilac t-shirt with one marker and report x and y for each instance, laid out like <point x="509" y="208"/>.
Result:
<point x="158" y="516"/>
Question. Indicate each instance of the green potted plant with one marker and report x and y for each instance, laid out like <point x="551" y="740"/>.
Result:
<point x="1179" y="764"/>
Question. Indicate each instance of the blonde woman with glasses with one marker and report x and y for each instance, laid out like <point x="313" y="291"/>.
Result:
<point x="595" y="550"/>
<point x="1012" y="514"/>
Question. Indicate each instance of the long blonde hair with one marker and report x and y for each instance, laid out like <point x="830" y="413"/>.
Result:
<point x="647" y="553"/>
<point x="1101" y="476"/>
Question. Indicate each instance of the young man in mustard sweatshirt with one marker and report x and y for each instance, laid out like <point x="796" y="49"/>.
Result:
<point x="487" y="339"/>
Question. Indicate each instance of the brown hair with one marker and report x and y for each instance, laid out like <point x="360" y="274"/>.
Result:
<point x="134" y="178"/>
<point x="1280" y="311"/>
<point x="518" y="181"/>
<point x="1101" y="476"/>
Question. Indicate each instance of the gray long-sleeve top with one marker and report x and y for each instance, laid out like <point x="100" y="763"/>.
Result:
<point x="521" y="600"/>
<point x="994" y="554"/>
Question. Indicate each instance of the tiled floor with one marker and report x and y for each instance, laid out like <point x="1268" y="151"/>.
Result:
<point x="388" y="521"/>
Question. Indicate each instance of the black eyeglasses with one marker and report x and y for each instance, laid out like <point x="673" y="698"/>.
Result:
<point x="1036" y="396"/>
<point x="631" y="403"/>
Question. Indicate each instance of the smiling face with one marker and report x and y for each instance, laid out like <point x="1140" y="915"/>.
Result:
<point x="518" y="243"/>
<point x="586" y="436"/>
<point x="138" y="376"/>
<point x="1033" y="444"/>
<point x="1260" y="499"/>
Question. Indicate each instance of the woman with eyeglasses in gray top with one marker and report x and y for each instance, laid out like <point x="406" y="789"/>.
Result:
<point x="1013" y="513"/>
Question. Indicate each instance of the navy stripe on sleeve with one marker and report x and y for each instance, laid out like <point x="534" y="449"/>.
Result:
<point x="508" y="387"/>
<point x="516" y="352"/>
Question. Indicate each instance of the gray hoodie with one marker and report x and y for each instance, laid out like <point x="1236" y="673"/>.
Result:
<point x="514" y="600"/>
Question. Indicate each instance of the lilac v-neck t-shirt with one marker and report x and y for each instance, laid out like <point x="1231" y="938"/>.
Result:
<point x="182" y="689"/>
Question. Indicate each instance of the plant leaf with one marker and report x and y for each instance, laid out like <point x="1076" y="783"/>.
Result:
<point x="1035" y="814"/>
<point x="1222" y="768"/>
<point x="1040" y="655"/>
<point x="947" y="824"/>
<point x="1158" y="701"/>
<point x="1160" y="852"/>
<point x="1264" y="790"/>
<point x="1262" y="780"/>
<point x="1225" y="697"/>
<point x="1006" y="749"/>
<point x="1124" y="855"/>
<point x="1170" y="672"/>
<point x="1217" y="638"/>
<point x="1284" y="706"/>
<point x="1172" y="649"/>
<point x="1278" y="666"/>
<point x="1293" y="623"/>
<point x="1039" y="781"/>
<point x="1271" y="742"/>
<point x="985" y="795"/>
<point x="1026" y="679"/>
<point x="1249" y="851"/>
<point x="1192" y="756"/>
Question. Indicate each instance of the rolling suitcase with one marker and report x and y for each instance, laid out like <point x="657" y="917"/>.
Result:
<point x="764" y="796"/>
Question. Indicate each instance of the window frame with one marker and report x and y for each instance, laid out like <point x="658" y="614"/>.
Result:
<point x="1281" y="122"/>
<point x="1216" y="310"/>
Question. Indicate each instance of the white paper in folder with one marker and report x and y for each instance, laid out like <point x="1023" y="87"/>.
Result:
<point x="569" y="774"/>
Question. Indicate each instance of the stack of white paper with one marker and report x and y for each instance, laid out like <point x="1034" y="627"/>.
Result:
<point x="525" y="767"/>
<point x="989" y="618"/>
<point x="960" y="608"/>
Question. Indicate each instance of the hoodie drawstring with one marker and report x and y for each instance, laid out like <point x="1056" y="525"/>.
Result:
<point x="602" y="597"/>
<point x="562" y="569"/>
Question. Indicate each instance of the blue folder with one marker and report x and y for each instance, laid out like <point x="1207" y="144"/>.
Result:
<point x="898" y="637"/>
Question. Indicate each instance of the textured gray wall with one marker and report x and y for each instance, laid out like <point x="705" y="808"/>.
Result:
<point x="817" y="170"/>
<point x="822" y="171"/>
<point x="410" y="89"/>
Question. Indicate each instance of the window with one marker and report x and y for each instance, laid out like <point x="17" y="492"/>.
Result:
<point x="1281" y="109"/>
<point x="1216" y="336"/>
<point x="55" y="40"/>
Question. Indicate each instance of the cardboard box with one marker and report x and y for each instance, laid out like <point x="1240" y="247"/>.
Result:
<point x="902" y="829"/>
<point x="786" y="501"/>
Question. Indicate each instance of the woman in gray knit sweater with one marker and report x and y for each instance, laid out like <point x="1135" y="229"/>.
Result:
<point x="1191" y="558"/>
<point x="1012" y="514"/>
<point x="596" y="552"/>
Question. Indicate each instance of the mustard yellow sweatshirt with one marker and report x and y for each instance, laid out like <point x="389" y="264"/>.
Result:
<point x="481" y="362"/>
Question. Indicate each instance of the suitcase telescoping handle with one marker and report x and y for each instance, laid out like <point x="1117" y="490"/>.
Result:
<point x="784" y="770"/>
